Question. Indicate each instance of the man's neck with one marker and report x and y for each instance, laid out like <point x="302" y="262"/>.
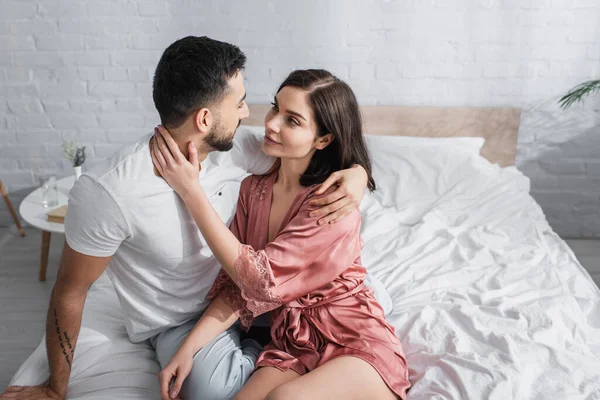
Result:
<point x="182" y="140"/>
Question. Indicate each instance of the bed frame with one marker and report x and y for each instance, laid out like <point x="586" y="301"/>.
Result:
<point x="499" y="126"/>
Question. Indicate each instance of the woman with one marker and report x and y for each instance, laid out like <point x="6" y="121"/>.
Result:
<point x="329" y="335"/>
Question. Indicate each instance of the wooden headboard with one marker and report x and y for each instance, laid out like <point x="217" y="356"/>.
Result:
<point x="499" y="126"/>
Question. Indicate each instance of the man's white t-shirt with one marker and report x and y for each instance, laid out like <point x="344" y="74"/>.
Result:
<point x="161" y="266"/>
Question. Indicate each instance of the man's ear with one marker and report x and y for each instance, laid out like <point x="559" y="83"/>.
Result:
<point x="204" y="120"/>
<point x="324" y="141"/>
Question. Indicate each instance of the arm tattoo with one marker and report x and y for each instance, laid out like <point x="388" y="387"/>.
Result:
<point x="61" y="342"/>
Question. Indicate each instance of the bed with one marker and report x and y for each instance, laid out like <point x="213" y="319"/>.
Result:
<point x="488" y="302"/>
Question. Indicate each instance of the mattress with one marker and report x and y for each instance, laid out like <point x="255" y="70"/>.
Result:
<point x="488" y="302"/>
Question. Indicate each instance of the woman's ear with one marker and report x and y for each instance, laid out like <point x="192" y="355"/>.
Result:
<point x="203" y="120"/>
<point x="324" y="141"/>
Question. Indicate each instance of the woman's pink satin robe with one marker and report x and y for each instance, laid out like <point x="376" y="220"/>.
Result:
<point x="310" y="278"/>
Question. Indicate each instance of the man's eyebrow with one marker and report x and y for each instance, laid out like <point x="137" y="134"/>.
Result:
<point x="243" y="98"/>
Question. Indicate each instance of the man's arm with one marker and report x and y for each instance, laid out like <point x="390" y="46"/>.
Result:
<point x="76" y="274"/>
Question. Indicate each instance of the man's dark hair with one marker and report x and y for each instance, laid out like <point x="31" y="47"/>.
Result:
<point x="191" y="74"/>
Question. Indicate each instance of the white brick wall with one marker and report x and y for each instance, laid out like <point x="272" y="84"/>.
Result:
<point x="83" y="70"/>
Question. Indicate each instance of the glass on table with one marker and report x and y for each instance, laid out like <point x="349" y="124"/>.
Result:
<point x="49" y="191"/>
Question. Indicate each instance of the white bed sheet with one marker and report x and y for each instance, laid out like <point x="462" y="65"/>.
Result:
<point x="489" y="302"/>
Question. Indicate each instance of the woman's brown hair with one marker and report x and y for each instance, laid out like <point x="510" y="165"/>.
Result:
<point x="336" y="111"/>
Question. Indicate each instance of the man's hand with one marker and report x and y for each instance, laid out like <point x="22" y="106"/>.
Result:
<point x="351" y="183"/>
<point x="42" y="392"/>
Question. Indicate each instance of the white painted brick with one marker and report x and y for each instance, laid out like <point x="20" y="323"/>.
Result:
<point x="400" y="6"/>
<point x="455" y="52"/>
<point x="506" y="70"/>
<point x="135" y="57"/>
<point x="58" y="8"/>
<point x="558" y="51"/>
<point x="89" y="137"/>
<point x="6" y="137"/>
<point x="99" y="8"/>
<point x="59" y="42"/>
<point x="7" y="59"/>
<point x="8" y="165"/>
<point x="88" y="74"/>
<point x="105" y="150"/>
<point x="323" y="37"/>
<point x="120" y="120"/>
<point x="52" y="105"/>
<point x="498" y="52"/>
<point x="4" y="27"/>
<point x="23" y="151"/>
<point x="120" y="89"/>
<point x="151" y="120"/>
<point x="17" y="180"/>
<point x="64" y="89"/>
<point x="362" y="72"/>
<point x="277" y="73"/>
<point x="415" y="70"/>
<point x="544" y="18"/>
<point x="153" y="8"/>
<point x="125" y="135"/>
<point x="593" y="52"/>
<point x="143" y="89"/>
<point x="139" y="74"/>
<point x="152" y="42"/>
<point x="107" y="42"/>
<point x="32" y="26"/>
<point x="386" y="71"/>
<point x="25" y="122"/>
<point x="577" y="4"/>
<point x="19" y="90"/>
<point x="134" y="26"/>
<point x="45" y="166"/>
<point x="70" y="121"/>
<point x="15" y="9"/>
<point x="117" y="74"/>
<point x="526" y="4"/>
<point x="38" y="137"/>
<point x="30" y="106"/>
<point x="20" y="43"/>
<point x="91" y="105"/>
<point x="17" y="75"/>
<point x="130" y="105"/>
<point x="83" y="26"/>
<point x="42" y="59"/>
<point x="365" y="38"/>
<point x="86" y="58"/>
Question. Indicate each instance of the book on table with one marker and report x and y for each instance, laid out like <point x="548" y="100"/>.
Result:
<point x="57" y="215"/>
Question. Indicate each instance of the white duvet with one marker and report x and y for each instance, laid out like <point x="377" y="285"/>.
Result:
<point x="488" y="301"/>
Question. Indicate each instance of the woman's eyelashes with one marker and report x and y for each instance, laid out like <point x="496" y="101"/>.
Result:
<point x="290" y="120"/>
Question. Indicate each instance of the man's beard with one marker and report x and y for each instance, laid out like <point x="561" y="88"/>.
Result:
<point x="218" y="139"/>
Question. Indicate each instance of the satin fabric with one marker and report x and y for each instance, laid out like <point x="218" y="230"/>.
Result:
<point x="310" y="279"/>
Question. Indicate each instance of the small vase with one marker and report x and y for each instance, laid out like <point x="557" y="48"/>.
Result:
<point x="77" y="172"/>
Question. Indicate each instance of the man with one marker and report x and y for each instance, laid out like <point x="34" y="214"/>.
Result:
<point x="125" y="219"/>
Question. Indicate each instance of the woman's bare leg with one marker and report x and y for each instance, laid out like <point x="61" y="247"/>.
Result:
<point x="341" y="378"/>
<point x="264" y="380"/>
